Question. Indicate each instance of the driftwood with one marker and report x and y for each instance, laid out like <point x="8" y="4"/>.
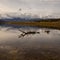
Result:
<point x="27" y="33"/>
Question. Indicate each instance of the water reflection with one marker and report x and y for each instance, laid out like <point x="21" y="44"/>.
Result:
<point x="29" y="43"/>
<point x="27" y="33"/>
<point x="47" y="31"/>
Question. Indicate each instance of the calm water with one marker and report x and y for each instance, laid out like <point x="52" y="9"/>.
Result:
<point x="29" y="43"/>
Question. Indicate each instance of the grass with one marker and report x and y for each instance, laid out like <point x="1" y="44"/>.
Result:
<point x="55" y="23"/>
<point x="47" y="24"/>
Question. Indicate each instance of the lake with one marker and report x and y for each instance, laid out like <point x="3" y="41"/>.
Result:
<point x="29" y="43"/>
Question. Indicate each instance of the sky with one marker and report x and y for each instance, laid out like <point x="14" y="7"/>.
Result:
<point x="31" y="6"/>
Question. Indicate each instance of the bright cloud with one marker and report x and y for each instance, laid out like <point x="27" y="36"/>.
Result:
<point x="33" y="6"/>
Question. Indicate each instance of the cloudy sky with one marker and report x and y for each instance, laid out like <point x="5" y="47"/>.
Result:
<point x="33" y="6"/>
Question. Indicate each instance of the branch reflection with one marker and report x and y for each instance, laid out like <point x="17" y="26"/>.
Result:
<point x="27" y="33"/>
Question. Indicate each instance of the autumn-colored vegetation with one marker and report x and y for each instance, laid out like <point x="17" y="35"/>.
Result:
<point x="47" y="24"/>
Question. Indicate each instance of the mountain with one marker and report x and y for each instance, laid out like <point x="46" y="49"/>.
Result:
<point x="18" y="17"/>
<point x="25" y="17"/>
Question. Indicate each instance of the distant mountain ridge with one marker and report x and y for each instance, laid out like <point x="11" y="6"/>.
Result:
<point x="24" y="17"/>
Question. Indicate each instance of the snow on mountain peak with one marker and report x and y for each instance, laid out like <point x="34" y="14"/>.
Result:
<point x="26" y="16"/>
<point x="17" y="15"/>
